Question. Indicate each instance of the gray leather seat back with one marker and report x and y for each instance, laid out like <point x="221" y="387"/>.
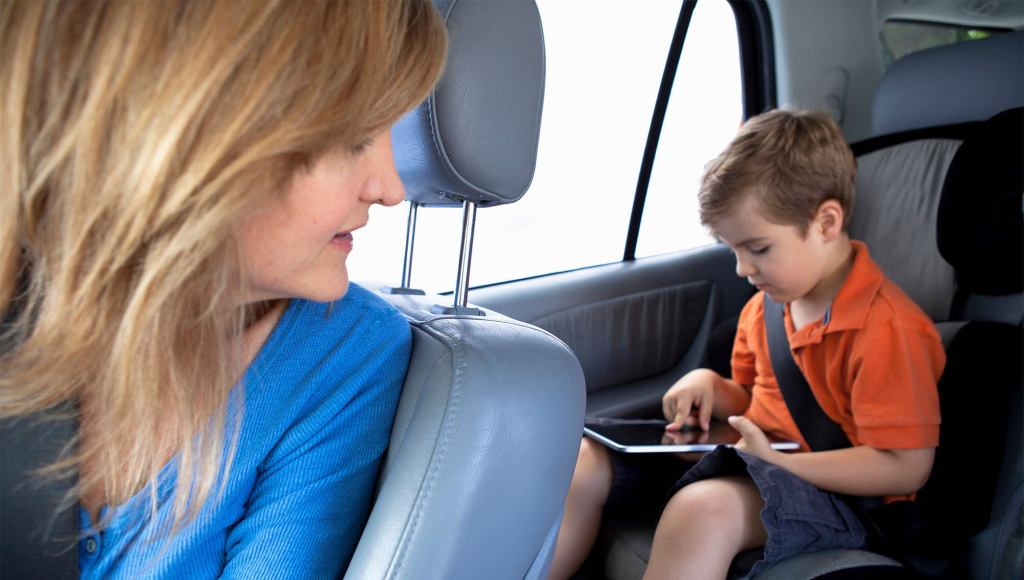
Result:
<point x="482" y="451"/>
<point x="965" y="81"/>
<point x="488" y="426"/>
<point x="475" y="137"/>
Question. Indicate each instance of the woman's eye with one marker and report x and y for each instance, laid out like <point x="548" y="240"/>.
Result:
<point x="759" y="251"/>
<point x="360" y="147"/>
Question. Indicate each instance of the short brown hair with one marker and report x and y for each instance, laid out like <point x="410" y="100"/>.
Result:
<point x="792" y="161"/>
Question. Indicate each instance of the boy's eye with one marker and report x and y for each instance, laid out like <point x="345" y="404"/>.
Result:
<point x="759" y="251"/>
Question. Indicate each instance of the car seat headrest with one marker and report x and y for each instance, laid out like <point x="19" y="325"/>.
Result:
<point x="475" y="137"/>
<point x="981" y="217"/>
<point x="966" y="81"/>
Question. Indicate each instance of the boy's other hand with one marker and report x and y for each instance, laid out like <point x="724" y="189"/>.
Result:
<point x="690" y="400"/>
<point x="753" y="440"/>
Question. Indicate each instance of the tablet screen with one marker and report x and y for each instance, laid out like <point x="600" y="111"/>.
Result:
<point x="649" y="436"/>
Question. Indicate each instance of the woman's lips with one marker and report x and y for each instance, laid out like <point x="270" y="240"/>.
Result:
<point x="343" y="241"/>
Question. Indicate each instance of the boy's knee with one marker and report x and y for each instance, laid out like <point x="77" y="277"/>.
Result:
<point x="710" y="502"/>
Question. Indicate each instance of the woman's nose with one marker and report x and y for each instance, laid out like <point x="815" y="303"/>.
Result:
<point x="385" y="187"/>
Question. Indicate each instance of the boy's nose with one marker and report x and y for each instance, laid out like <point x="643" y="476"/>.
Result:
<point x="744" y="269"/>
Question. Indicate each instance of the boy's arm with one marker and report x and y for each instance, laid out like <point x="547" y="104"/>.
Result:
<point x="861" y="470"/>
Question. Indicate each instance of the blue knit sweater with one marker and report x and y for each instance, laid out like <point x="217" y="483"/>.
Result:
<point x="319" y="401"/>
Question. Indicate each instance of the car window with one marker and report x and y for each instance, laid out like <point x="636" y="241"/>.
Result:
<point x="704" y="111"/>
<point x="903" y="37"/>
<point x="604" y="68"/>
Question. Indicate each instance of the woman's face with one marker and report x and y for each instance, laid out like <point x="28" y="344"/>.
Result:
<point x="296" y="246"/>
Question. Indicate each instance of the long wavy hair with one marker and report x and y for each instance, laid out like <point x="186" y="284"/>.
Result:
<point x="134" y="139"/>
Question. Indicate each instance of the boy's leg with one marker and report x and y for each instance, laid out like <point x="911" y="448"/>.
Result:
<point x="704" y="526"/>
<point x="588" y="492"/>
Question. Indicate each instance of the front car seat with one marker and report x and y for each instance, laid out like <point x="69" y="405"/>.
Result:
<point x="488" y="426"/>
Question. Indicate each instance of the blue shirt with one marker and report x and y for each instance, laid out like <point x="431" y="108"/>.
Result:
<point x="319" y="400"/>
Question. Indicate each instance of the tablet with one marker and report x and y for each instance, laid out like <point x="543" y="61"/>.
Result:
<point x="649" y="436"/>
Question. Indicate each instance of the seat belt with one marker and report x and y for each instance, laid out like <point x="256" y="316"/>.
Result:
<point x="820" y="431"/>
<point x="38" y="536"/>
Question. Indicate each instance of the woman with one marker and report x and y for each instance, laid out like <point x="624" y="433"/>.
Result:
<point x="179" y="185"/>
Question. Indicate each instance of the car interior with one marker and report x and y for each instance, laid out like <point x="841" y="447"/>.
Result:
<point x="504" y="373"/>
<point x="938" y="202"/>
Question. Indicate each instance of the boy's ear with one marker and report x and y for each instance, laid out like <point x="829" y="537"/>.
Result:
<point x="829" y="219"/>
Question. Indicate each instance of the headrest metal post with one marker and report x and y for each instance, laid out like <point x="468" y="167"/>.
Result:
<point x="410" y="242"/>
<point x="465" y="254"/>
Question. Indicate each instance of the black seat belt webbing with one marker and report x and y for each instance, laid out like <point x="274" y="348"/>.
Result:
<point x="820" y="431"/>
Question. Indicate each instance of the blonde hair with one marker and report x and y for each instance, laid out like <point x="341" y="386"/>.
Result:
<point x="791" y="161"/>
<point x="134" y="138"/>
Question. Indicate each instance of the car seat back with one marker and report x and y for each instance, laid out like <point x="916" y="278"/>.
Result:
<point x="964" y="81"/>
<point x="488" y="425"/>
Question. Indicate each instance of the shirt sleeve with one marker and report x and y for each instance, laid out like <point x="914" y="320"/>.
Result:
<point x="894" y="395"/>
<point x="743" y="360"/>
<point x="312" y="494"/>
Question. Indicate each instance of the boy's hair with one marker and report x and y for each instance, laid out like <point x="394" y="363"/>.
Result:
<point x="791" y="161"/>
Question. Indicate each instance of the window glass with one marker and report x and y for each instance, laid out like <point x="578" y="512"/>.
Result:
<point x="604" y="66"/>
<point x="901" y="37"/>
<point x="704" y="111"/>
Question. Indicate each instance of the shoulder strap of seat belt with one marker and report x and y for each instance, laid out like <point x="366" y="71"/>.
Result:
<point x="38" y="535"/>
<point x="820" y="431"/>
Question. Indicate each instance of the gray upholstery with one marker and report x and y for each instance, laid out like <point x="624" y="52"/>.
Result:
<point x="898" y="192"/>
<point x="489" y="422"/>
<point x="37" y="525"/>
<point x="825" y="562"/>
<point x="482" y="451"/>
<point x="620" y="289"/>
<point x="632" y="336"/>
<point x="966" y="81"/>
<point x="475" y="137"/>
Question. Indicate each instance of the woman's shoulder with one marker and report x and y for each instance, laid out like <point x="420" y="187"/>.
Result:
<point x="367" y="302"/>
<point x="359" y="312"/>
<point x="330" y="350"/>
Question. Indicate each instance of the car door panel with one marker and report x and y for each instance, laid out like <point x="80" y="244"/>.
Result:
<point x="636" y="326"/>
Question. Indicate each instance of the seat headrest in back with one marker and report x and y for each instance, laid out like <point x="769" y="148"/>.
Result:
<point x="966" y="81"/>
<point x="981" y="218"/>
<point x="475" y="137"/>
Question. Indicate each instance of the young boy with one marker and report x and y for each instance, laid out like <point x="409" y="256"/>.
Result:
<point x="780" y="196"/>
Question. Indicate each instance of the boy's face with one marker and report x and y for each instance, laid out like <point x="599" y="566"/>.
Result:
<point x="773" y="257"/>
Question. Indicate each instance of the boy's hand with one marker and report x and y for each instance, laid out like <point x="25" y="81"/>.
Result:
<point x="692" y="395"/>
<point x="753" y="440"/>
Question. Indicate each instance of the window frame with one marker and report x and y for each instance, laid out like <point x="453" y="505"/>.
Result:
<point x="757" y="68"/>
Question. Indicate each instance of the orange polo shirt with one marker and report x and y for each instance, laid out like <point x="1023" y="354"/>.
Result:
<point x="872" y="363"/>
